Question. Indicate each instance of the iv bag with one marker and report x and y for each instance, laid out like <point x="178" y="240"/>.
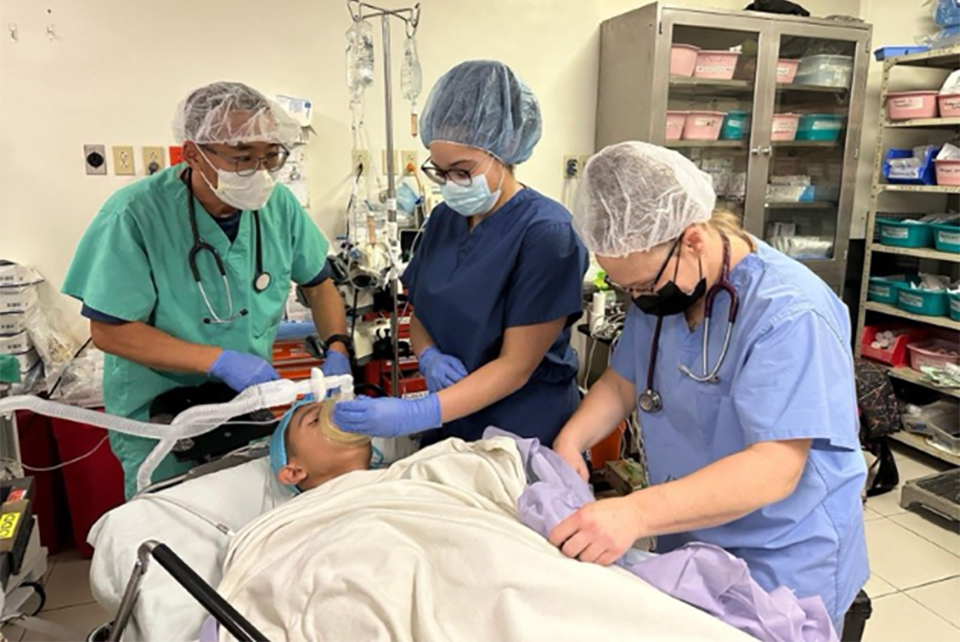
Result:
<point x="411" y="78"/>
<point x="359" y="57"/>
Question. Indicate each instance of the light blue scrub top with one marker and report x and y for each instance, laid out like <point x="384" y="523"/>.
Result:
<point x="789" y="375"/>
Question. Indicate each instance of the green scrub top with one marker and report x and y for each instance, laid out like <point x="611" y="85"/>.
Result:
<point x="132" y="264"/>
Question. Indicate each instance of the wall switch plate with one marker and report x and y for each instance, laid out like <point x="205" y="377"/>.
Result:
<point x="152" y="159"/>
<point x="360" y="159"/>
<point x="123" y="160"/>
<point x="95" y="159"/>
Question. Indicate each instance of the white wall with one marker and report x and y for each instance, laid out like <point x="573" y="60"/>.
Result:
<point x="118" y="67"/>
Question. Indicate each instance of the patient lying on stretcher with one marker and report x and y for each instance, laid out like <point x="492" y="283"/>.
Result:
<point x="307" y="449"/>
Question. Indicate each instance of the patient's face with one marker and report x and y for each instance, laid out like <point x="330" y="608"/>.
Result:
<point x="313" y="458"/>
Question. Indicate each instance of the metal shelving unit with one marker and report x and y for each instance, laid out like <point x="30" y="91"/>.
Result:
<point x="636" y="89"/>
<point x="946" y="59"/>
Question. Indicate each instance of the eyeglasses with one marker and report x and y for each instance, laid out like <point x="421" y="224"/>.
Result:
<point x="461" y="177"/>
<point x="649" y="287"/>
<point x="247" y="165"/>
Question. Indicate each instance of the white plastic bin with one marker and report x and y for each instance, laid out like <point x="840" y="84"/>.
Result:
<point x="825" y="70"/>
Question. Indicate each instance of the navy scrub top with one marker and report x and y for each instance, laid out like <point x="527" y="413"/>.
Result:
<point x="523" y="265"/>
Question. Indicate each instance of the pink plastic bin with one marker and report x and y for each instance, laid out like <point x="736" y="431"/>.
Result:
<point x="948" y="172"/>
<point x="716" y="64"/>
<point x="935" y="353"/>
<point x="904" y="105"/>
<point x="675" y="121"/>
<point x="683" y="59"/>
<point x="786" y="70"/>
<point x="785" y="126"/>
<point x="703" y="125"/>
<point x="949" y="105"/>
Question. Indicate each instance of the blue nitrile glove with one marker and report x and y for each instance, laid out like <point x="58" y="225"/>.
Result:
<point x="240" y="371"/>
<point x="335" y="364"/>
<point x="440" y="370"/>
<point x="387" y="416"/>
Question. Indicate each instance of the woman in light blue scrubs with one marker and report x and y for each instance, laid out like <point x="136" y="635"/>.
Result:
<point x="763" y="459"/>
<point x="496" y="283"/>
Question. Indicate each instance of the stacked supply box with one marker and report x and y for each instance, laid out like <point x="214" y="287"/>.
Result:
<point x="18" y="300"/>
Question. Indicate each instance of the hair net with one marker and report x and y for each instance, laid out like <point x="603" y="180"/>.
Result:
<point x="232" y="113"/>
<point x="634" y="196"/>
<point x="483" y="104"/>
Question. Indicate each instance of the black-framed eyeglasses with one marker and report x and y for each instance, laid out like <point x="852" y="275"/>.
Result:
<point x="648" y="289"/>
<point x="462" y="177"/>
<point x="248" y="165"/>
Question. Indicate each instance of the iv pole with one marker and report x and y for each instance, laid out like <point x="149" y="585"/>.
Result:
<point x="411" y="19"/>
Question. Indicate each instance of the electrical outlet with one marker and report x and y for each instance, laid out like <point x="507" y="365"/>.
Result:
<point x="383" y="162"/>
<point x="95" y="159"/>
<point x="571" y="166"/>
<point x="152" y="159"/>
<point x="123" y="160"/>
<point x="408" y="159"/>
<point x="360" y="162"/>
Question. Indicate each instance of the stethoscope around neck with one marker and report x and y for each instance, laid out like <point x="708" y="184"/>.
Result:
<point x="650" y="400"/>
<point x="261" y="278"/>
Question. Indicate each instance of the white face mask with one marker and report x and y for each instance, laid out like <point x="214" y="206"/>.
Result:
<point x="246" y="193"/>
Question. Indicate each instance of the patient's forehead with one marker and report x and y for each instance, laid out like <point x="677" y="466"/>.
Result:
<point x="300" y="413"/>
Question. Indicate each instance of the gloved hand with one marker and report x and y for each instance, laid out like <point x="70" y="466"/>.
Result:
<point x="440" y="370"/>
<point x="387" y="416"/>
<point x="240" y="370"/>
<point x="335" y="364"/>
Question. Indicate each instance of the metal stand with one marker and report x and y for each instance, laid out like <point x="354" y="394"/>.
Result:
<point x="411" y="18"/>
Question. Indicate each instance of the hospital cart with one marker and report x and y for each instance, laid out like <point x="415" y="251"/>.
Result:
<point x="779" y="134"/>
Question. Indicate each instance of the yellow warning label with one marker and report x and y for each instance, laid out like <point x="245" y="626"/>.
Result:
<point x="8" y="524"/>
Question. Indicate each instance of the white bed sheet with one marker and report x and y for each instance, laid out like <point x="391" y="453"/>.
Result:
<point x="232" y="497"/>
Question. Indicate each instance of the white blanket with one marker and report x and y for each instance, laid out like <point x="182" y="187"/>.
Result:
<point x="431" y="549"/>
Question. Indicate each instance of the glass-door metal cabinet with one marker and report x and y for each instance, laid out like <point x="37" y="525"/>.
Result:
<point x="771" y="106"/>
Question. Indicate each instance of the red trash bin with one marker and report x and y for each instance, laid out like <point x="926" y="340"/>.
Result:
<point x="38" y="449"/>
<point x="95" y="483"/>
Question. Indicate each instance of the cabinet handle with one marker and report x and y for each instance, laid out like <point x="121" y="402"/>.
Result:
<point x="766" y="151"/>
<point x="755" y="151"/>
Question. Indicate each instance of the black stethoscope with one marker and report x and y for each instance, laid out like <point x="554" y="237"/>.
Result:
<point x="261" y="278"/>
<point x="650" y="400"/>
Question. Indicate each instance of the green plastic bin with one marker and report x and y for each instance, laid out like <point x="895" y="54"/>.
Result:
<point x="923" y="302"/>
<point x="900" y="234"/>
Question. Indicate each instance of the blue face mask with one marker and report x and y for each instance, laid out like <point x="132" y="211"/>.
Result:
<point x="473" y="199"/>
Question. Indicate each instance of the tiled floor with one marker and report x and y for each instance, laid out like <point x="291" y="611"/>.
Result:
<point x="69" y="602"/>
<point x="915" y="564"/>
<point x="915" y="586"/>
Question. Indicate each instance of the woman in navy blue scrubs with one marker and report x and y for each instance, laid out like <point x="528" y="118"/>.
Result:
<point x="496" y="282"/>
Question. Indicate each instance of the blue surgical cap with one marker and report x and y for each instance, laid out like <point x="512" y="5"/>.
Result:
<point x="483" y="104"/>
<point x="277" y="444"/>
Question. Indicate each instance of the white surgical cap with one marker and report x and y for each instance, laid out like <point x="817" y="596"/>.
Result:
<point x="483" y="104"/>
<point x="232" y="113"/>
<point x="634" y="196"/>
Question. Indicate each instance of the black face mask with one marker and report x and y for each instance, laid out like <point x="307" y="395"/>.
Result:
<point x="670" y="299"/>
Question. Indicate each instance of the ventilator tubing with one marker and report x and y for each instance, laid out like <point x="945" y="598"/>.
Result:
<point x="192" y="422"/>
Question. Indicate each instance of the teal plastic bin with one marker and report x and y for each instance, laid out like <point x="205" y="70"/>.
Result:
<point x="922" y="302"/>
<point x="886" y="289"/>
<point x="953" y="300"/>
<point x="736" y="125"/>
<point x="946" y="238"/>
<point x="822" y="127"/>
<point x="900" y="234"/>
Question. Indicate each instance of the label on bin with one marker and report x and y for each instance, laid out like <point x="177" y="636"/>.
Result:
<point x="955" y="305"/>
<point x="821" y="125"/>
<point x="783" y="126"/>
<point x="952" y="238"/>
<point x="704" y="122"/>
<point x="713" y="69"/>
<point x="912" y="300"/>
<point x="907" y="102"/>
<point x="8" y="525"/>
<point x="896" y="232"/>
<point x="880" y="290"/>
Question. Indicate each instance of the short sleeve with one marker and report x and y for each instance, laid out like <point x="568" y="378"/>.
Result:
<point x="624" y="358"/>
<point x="111" y="272"/>
<point x="798" y="383"/>
<point x="309" y="244"/>
<point x="547" y="282"/>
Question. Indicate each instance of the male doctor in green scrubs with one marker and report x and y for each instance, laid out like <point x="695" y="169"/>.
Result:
<point x="184" y="274"/>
